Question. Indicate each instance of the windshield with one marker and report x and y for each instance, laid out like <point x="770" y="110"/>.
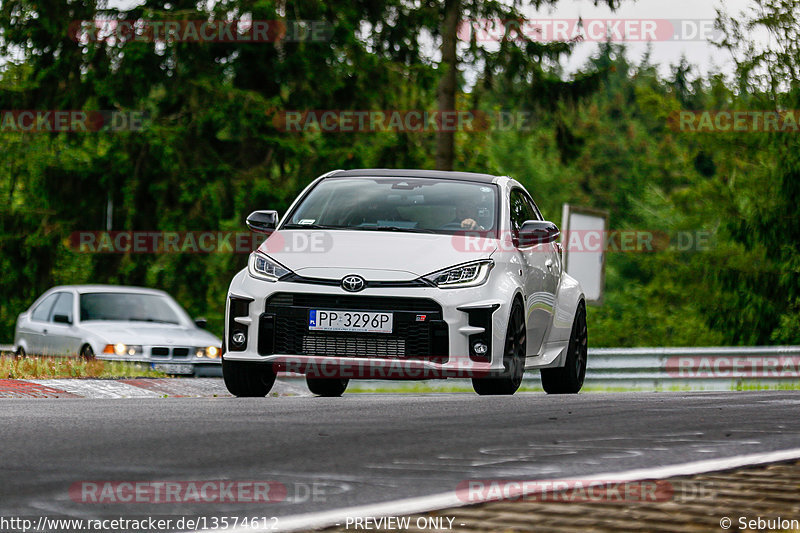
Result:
<point x="128" y="307"/>
<point x="398" y="204"/>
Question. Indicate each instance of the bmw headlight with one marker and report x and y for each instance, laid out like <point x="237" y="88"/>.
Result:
<point x="262" y="267"/>
<point x="122" y="349"/>
<point x="212" y="352"/>
<point x="466" y="275"/>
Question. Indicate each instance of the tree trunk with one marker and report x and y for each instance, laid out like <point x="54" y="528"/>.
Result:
<point x="445" y="140"/>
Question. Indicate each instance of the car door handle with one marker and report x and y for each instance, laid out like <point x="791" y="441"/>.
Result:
<point x="44" y="331"/>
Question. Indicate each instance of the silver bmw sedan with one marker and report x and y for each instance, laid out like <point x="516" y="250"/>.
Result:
<point x="118" y="324"/>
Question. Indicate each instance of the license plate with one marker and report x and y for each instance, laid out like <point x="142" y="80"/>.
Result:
<point x="169" y="368"/>
<point x="355" y="321"/>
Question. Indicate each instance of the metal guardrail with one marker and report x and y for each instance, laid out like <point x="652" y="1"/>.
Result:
<point x="707" y="368"/>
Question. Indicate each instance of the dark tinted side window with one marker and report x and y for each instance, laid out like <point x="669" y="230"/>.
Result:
<point x="535" y="208"/>
<point x="42" y="311"/>
<point x="521" y="210"/>
<point x="63" y="306"/>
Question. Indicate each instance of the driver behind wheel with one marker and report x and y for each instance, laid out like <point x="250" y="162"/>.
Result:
<point x="467" y="215"/>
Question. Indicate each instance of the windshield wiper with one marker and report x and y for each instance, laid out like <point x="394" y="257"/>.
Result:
<point x="135" y="319"/>
<point x="395" y="228"/>
<point x="357" y="228"/>
<point x="314" y="226"/>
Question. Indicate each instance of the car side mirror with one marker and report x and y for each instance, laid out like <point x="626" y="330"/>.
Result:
<point x="61" y="319"/>
<point x="201" y="323"/>
<point x="263" y="221"/>
<point x="537" y="232"/>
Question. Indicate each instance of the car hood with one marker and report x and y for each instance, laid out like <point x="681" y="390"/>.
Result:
<point x="376" y="255"/>
<point x="150" y="334"/>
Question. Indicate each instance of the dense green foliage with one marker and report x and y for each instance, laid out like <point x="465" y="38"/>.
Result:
<point x="211" y="152"/>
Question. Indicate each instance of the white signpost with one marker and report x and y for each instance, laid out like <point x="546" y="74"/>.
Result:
<point x="583" y="240"/>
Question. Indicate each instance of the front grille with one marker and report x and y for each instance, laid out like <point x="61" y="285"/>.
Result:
<point x="163" y="352"/>
<point x="353" y="346"/>
<point x="287" y="314"/>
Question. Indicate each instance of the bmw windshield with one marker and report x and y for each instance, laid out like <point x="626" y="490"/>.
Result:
<point x="127" y="307"/>
<point x="414" y="205"/>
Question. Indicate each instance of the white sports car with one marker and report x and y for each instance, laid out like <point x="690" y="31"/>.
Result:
<point x="405" y="274"/>
<point x="117" y="324"/>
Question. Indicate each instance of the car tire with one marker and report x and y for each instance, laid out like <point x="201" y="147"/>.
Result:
<point x="569" y="378"/>
<point x="327" y="387"/>
<point x="244" y="379"/>
<point x="87" y="354"/>
<point x="20" y="353"/>
<point x="513" y="358"/>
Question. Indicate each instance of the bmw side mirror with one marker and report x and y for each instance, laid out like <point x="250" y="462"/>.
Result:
<point x="61" y="319"/>
<point x="263" y="221"/>
<point x="201" y="323"/>
<point x="537" y="232"/>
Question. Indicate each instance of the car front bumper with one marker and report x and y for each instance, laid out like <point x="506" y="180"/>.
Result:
<point x="273" y="316"/>
<point x="173" y="360"/>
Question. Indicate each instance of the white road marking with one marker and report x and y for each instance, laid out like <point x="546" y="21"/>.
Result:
<point x="97" y="388"/>
<point x="450" y="499"/>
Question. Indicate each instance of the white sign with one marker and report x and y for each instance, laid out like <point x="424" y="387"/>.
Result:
<point x="583" y="237"/>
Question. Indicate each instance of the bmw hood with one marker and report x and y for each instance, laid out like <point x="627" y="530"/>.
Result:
<point x="150" y="334"/>
<point x="375" y="255"/>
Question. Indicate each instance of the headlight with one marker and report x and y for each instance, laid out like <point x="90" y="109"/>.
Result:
<point x="122" y="349"/>
<point x="262" y="267"/>
<point x="212" y="352"/>
<point x="466" y="275"/>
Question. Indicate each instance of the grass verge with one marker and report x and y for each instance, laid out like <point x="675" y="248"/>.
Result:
<point x="31" y="367"/>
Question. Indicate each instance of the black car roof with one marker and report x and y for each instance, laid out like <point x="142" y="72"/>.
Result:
<point x="409" y="173"/>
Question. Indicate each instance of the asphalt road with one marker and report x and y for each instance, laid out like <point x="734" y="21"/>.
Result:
<point x="366" y="448"/>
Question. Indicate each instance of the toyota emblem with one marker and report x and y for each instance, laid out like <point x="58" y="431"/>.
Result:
<point x="353" y="283"/>
<point x="239" y="338"/>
